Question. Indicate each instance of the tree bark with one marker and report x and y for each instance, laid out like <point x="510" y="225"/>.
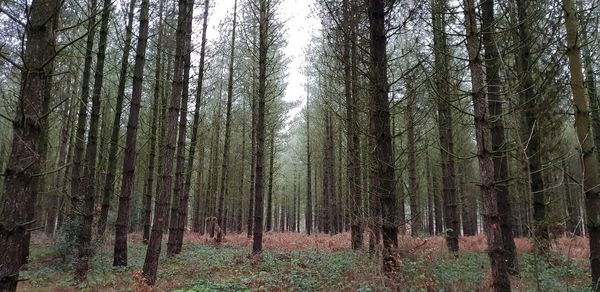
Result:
<point x="260" y="125"/>
<point x="446" y="135"/>
<point x="250" y="222"/>
<point x="101" y="168"/>
<point x="332" y="202"/>
<point x="309" y="213"/>
<point x="21" y="176"/>
<point x="149" y="187"/>
<point x="242" y="171"/>
<point x="499" y="153"/>
<point x="590" y="83"/>
<point x="122" y="223"/>
<point x="492" y="227"/>
<point x="327" y="189"/>
<point x="167" y="152"/>
<point x="164" y="105"/>
<point x="77" y="168"/>
<point x="374" y="207"/>
<point x="382" y="176"/>
<point x="438" y="205"/>
<point x="335" y="203"/>
<point x="173" y="246"/>
<point x="340" y="193"/>
<point x="430" y="194"/>
<point x="269" y="226"/>
<point x="582" y="127"/>
<point x="353" y="170"/>
<point x="413" y="181"/>
<point x="88" y="188"/>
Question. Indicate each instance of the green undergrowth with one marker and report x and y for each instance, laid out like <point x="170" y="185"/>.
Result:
<point x="210" y="268"/>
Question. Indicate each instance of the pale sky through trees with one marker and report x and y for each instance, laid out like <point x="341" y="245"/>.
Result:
<point x="300" y="24"/>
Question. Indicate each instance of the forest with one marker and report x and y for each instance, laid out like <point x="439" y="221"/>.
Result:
<point x="411" y="145"/>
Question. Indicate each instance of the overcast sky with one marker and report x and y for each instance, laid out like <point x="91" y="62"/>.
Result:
<point x="300" y="25"/>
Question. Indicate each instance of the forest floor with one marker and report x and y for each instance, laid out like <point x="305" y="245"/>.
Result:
<point x="309" y="263"/>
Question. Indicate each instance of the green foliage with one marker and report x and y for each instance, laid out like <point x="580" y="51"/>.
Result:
<point x="230" y="268"/>
<point x="40" y="277"/>
<point x="556" y="273"/>
<point x="209" y="268"/>
<point x="466" y="272"/>
<point x="48" y="267"/>
<point x="467" y="268"/>
<point x="207" y="286"/>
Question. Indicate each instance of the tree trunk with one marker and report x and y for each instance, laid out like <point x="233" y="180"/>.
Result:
<point x="353" y="170"/>
<point x="167" y="152"/>
<point x="446" y="136"/>
<point x="335" y="203"/>
<point x="88" y="188"/>
<point x="499" y="156"/>
<point x="163" y="119"/>
<point x="341" y="194"/>
<point x="250" y="222"/>
<point x="260" y="126"/>
<point x="242" y="170"/>
<point x="330" y="161"/>
<point x="430" y="194"/>
<point x="77" y="169"/>
<point x="184" y="196"/>
<point x="109" y="182"/>
<point x="269" y="226"/>
<point x="309" y="213"/>
<point x="438" y="205"/>
<point x="496" y="253"/>
<point x="122" y="223"/>
<point x="149" y="187"/>
<point x="374" y="207"/>
<point x="226" y="145"/>
<point x="413" y="182"/>
<point x="590" y="82"/>
<point x="105" y="117"/>
<point x="178" y="200"/>
<point x="582" y="127"/>
<point x="327" y="194"/>
<point x="282" y="227"/>
<point x="382" y="177"/>
<point x="21" y="180"/>
<point x="355" y="182"/>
